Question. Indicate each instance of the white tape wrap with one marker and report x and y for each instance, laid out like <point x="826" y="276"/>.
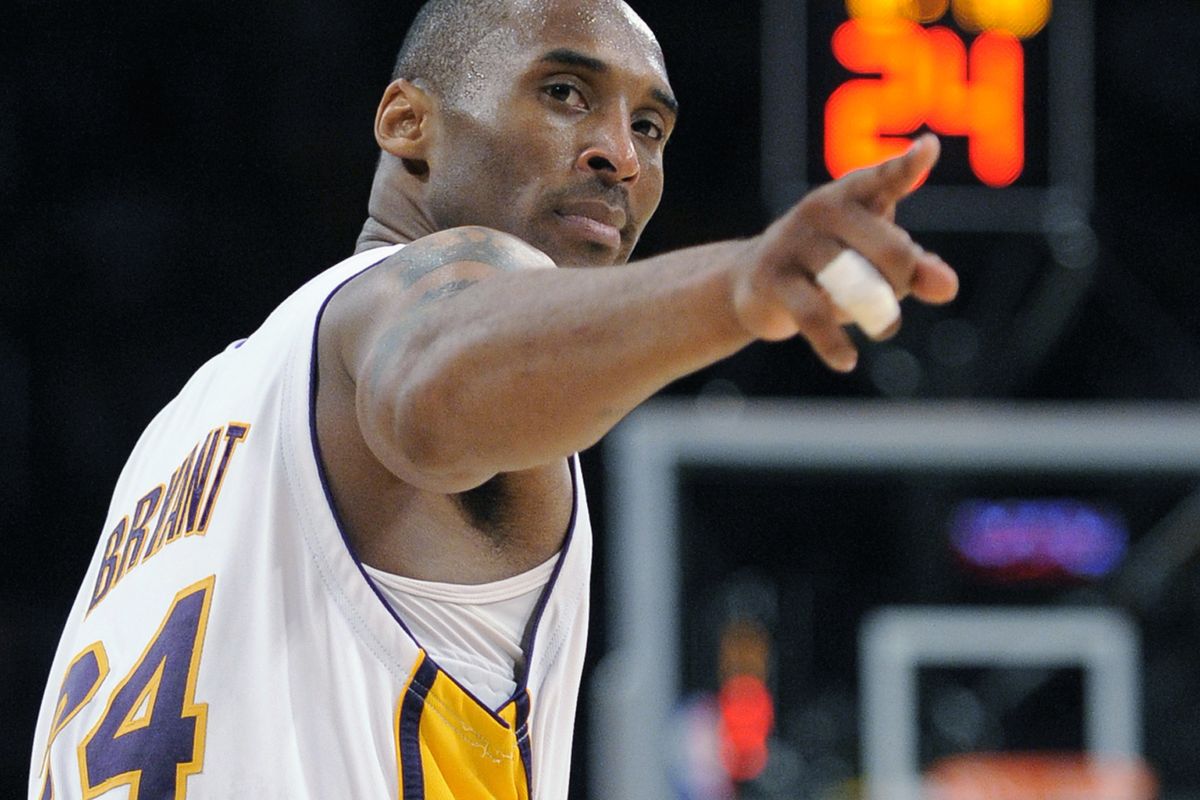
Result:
<point x="859" y="290"/>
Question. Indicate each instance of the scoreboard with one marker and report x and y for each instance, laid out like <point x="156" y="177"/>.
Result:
<point x="1006" y="84"/>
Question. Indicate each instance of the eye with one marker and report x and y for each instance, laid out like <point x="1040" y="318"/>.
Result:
<point x="648" y="129"/>
<point x="566" y="93"/>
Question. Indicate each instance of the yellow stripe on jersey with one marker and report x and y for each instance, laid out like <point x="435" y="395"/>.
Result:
<point x="452" y="748"/>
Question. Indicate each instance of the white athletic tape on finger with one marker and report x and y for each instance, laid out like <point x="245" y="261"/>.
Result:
<point x="859" y="290"/>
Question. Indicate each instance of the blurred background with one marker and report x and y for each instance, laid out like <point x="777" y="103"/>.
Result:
<point x="170" y="172"/>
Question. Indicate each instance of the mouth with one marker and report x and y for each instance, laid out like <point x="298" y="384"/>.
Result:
<point x="593" y="221"/>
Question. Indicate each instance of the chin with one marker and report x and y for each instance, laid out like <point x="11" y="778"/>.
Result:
<point x="582" y="254"/>
<point x="600" y="256"/>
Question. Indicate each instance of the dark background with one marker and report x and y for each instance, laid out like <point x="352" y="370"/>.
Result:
<point x="170" y="172"/>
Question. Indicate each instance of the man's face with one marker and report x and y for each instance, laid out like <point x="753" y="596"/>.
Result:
<point x="559" y="136"/>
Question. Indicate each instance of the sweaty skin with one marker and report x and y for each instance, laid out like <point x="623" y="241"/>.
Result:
<point x="457" y="377"/>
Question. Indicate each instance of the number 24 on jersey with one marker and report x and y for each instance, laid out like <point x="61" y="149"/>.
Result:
<point x="150" y="736"/>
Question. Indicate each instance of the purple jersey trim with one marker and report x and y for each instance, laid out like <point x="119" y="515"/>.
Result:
<point x="535" y="618"/>
<point x="522" y="733"/>
<point x="316" y="447"/>
<point x="520" y="695"/>
<point x="412" y="771"/>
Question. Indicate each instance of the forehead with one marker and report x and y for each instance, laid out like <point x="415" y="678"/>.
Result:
<point x="605" y="29"/>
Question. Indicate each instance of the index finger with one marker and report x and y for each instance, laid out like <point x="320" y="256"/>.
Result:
<point x="897" y="177"/>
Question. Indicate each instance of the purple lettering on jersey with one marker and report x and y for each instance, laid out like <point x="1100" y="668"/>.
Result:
<point x="158" y="540"/>
<point x="197" y="483"/>
<point x="234" y="435"/>
<point x="137" y="529"/>
<point x="174" y="524"/>
<point x="84" y="676"/>
<point x="109" y="563"/>
<point x="152" y="731"/>
<point x="81" y="682"/>
<point x="184" y="506"/>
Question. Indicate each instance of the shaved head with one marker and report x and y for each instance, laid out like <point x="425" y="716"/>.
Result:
<point x="451" y="44"/>
<point x="444" y="40"/>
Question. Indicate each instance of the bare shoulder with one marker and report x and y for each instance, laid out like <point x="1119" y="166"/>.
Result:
<point x="453" y="259"/>
<point x="471" y="245"/>
<point x="416" y="277"/>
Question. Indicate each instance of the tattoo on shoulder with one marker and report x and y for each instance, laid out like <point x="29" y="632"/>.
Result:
<point x="475" y="244"/>
<point x="445" y="290"/>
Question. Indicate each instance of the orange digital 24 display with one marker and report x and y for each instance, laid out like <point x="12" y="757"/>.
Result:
<point x="929" y="76"/>
<point x="1006" y="85"/>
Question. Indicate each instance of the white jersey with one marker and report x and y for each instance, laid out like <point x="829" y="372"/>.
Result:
<point x="227" y="643"/>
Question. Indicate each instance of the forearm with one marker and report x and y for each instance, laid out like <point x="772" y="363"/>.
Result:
<point x="526" y="367"/>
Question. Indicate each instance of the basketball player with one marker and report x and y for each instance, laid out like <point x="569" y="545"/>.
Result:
<point x="351" y="558"/>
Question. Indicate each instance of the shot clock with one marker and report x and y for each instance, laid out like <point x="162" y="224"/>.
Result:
<point x="1006" y="85"/>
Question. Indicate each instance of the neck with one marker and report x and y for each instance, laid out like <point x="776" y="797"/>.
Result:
<point x="394" y="215"/>
<point x="376" y="233"/>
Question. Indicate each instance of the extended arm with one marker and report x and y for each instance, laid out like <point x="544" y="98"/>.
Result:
<point x="472" y="356"/>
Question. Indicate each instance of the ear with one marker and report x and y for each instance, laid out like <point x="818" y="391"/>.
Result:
<point x="403" y="124"/>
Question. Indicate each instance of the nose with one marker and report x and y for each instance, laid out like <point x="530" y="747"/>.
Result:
<point x="611" y="154"/>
